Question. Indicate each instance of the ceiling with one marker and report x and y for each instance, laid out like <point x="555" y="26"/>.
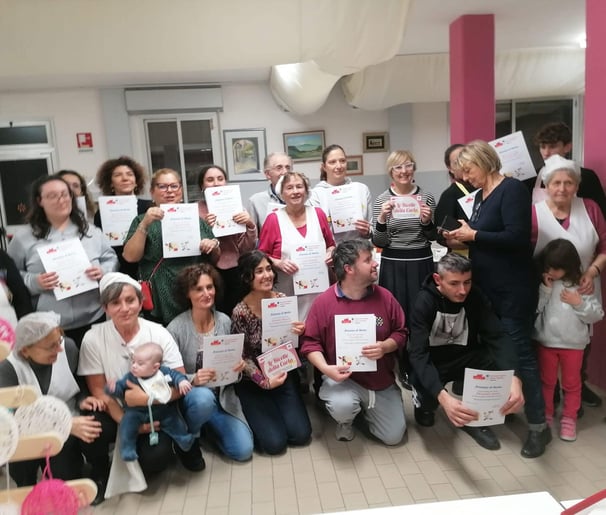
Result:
<point x="103" y="43"/>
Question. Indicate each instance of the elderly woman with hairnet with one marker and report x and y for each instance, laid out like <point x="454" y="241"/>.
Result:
<point x="43" y="358"/>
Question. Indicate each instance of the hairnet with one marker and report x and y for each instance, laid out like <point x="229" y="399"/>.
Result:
<point x="34" y="327"/>
<point x="117" y="277"/>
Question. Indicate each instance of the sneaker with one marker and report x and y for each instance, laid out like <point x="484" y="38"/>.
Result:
<point x="484" y="437"/>
<point x="590" y="398"/>
<point x="568" y="429"/>
<point x="192" y="460"/>
<point x="536" y="442"/>
<point x="344" y="432"/>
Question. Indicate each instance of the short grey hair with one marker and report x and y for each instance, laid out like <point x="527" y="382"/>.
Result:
<point x="114" y="290"/>
<point x="347" y="253"/>
<point x="453" y="262"/>
<point x="269" y="157"/>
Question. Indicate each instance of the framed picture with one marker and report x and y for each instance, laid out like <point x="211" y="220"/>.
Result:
<point x="375" y="141"/>
<point x="304" y="146"/>
<point x="355" y="165"/>
<point x="245" y="151"/>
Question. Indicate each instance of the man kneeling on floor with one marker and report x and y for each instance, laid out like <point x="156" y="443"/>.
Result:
<point x="348" y="393"/>
<point x="453" y="327"/>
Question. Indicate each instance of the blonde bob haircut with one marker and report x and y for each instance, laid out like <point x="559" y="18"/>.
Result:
<point x="399" y="157"/>
<point x="480" y="154"/>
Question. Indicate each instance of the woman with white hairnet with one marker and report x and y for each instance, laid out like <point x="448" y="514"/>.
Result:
<point x="44" y="359"/>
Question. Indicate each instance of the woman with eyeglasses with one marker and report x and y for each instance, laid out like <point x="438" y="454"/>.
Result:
<point x="54" y="217"/>
<point x="498" y="236"/>
<point x="233" y="245"/>
<point x="333" y="172"/>
<point x="77" y="184"/>
<point x="44" y="359"/>
<point x="122" y="176"/>
<point x="143" y="245"/>
<point x="406" y="258"/>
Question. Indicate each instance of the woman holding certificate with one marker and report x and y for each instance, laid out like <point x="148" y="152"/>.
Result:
<point x="144" y="245"/>
<point x="300" y="242"/>
<point x="498" y="235"/>
<point x="122" y="177"/>
<point x="273" y="407"/>
<point x="232" y="245"/>
<point x="58" y="232"/>
<point x="197" y="288"/>
<point x="346" y="204"/>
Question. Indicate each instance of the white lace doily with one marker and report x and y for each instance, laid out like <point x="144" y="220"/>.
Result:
<point x="9" y="435"/>
<point x="47" y="413"/>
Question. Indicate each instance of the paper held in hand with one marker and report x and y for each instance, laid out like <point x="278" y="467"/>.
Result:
<point x="312" y="276"/>
<point x="514" y="156"/>
<point x="344" y="207"/>
<point x="224" y="202"/>
<point x="117" y="213"/>
<point x="68" y="258"/>
<point x="222" y="353"/>
<point x="180" y="230"/>
<point x="282" y="358"/>
<point x="406" y="206"/>
<point x="352" y="332"/>
<point x="485" y="391"/>
<point x="277" y="316"/>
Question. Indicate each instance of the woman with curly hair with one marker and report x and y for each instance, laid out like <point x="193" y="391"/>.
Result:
<point x="122" y="176"/>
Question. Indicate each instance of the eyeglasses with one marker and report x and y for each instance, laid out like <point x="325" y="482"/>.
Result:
<point x="281" y="168"/>
<point x="54" y="346"/>
<point x="407" y="166"/>
<point x="175" y="186"/>
<point x="54" y="197"/>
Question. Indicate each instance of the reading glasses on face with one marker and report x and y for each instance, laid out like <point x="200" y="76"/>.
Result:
<point x="175" y="186"/>
<point x="404" y="166"/>
<point x="53" y="197"/>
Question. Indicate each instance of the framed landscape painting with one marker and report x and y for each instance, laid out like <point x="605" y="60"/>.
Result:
<point x="304" y="146"/>
<point x="245" y="151"/>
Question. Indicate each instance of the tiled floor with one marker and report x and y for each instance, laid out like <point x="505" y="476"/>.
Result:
<point x="438" y="463"/>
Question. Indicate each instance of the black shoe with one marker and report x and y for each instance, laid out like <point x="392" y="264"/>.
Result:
<point x="424" y="418"/>
<point x="100" y="497"/>
<point x="589" y="397"/>
<point x="192" y="460"/>
<point x="457" y="387"/>
<point x="536" y="442"/>
<point x="484" y="437"/>
<point x="405" y="381"/>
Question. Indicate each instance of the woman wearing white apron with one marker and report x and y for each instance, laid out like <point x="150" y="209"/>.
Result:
<point x="295" y="225"/>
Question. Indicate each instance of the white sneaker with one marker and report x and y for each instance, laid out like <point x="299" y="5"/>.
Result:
<point x="344" y="432"/>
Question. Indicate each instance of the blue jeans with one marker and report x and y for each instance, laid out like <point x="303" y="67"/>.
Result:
<point x="520" y="332"/>
<point x="277" y="417"/>
<point x="197" y="407"/>
<point x="231" y="435"/>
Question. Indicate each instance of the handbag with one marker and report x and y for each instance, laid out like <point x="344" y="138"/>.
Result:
<point x="146" y="289"/>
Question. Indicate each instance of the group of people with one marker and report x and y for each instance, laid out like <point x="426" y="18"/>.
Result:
<point x="141" y="381"/>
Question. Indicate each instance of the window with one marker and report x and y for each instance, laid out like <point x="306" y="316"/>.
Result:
<point x="184" y="143"/>
<point x="529" y="116"/>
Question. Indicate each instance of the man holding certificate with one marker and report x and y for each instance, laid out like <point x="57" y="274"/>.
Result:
<point x="453" y="327"/>
<point x="352" y="333"/>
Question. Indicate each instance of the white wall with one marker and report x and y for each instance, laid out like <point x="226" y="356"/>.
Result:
<point x="70" y="111"/>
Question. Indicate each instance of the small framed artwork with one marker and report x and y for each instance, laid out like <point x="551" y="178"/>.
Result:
<point x="304" y="146"/>
<point x="375" y="141"/>
<point x="245" y="151"/>
<point x="355" y="165"/>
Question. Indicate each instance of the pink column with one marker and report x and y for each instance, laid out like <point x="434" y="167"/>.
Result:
<point x="594" y="149"/>
<point x="472" y="97"/>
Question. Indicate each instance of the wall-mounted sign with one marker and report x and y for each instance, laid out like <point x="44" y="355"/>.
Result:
<point x="85" y="141"/>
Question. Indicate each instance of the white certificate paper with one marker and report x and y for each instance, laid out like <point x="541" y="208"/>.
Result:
<point x="117" y="213"/>
<point x="278" y="360"/>
<point x="406" y="206"/>
<point x="312" y="276"/>
<point x="68" y="258"/>
<point x="224" y="202"/>
<point x="222" y="353"/>
<point x="485" y="391"/>
<point x="180" y="230"/>
<point x="344" y="208"/>
<point x="514" y="155"/>
<point x="277" y="316"/>
<point x="466" y="203"/>
<point x="352" y="332"/>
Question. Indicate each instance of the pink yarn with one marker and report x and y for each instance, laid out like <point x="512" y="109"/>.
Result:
<point x="50" y="497"/>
